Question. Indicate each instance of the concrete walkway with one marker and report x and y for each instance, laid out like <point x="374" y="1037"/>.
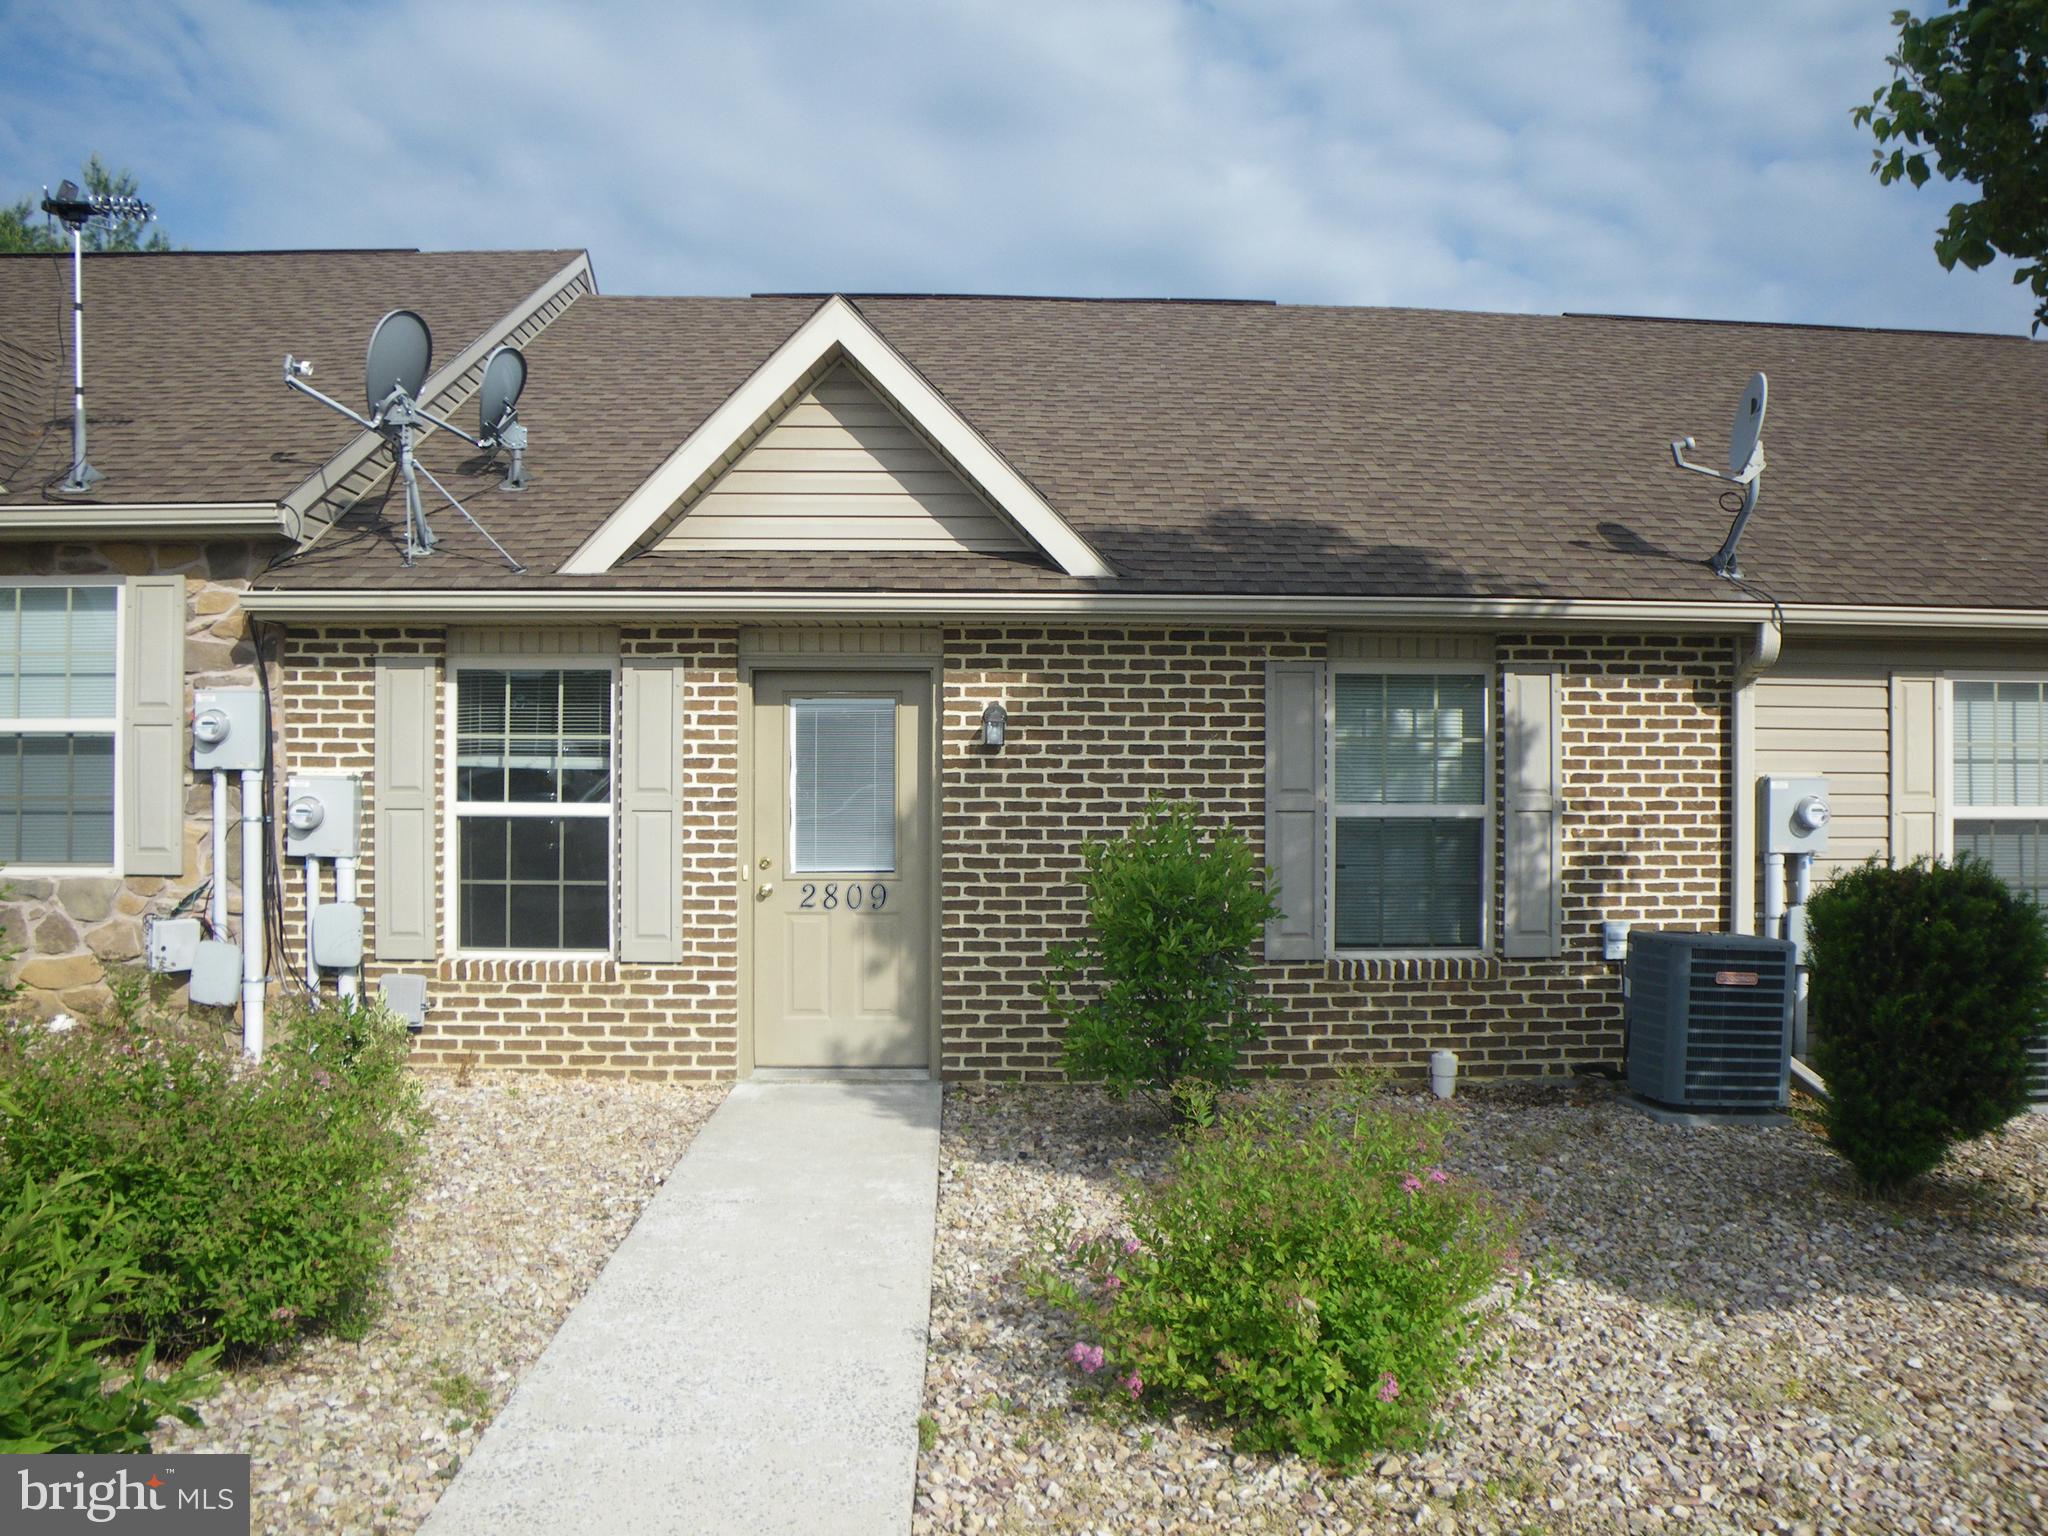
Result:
<point x="752" y="1358"/>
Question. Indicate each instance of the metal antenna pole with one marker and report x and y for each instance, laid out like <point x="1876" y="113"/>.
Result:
<point x="479" y="527"/>
<point x="1725" y="562"/>
<point x="81" y="475"/>
<point x="419" y="538"/>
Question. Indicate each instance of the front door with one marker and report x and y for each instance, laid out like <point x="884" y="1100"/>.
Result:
<point x="842" y="869"/>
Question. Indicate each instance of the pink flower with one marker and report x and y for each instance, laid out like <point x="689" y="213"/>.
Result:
<point x="1130" y="1245"/>
<point x="1389" y="1387"/>
<point x="1410" y="1183"/>
<point x="1438" y="1176"/>
<point x="1086" y="1356"/>
<point x="1134" y="1384"/>
<point x="1113" y="1284"/>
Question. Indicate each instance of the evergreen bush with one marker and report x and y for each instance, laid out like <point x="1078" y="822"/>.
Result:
<point x="1927" y="982"/>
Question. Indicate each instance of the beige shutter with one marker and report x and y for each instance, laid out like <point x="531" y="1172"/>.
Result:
<point x="1532" y="915"/>
<point x="1295" y="808"/>
<point x="404" y="791"/>
<point x="153" y="727"/>
<point x="650" y="809"/>
<point x="1917" y="768"/>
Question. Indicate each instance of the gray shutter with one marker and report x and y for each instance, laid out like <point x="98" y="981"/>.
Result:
<point x="1295" y="808"/>
<point x="650" y="809"/>
<point x="153" y="727"/>
<point x="404" y="791"/>
<point x="1917" y="768"/>
<point x="1532" y="914"/>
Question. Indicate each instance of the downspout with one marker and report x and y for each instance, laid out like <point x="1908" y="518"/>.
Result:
<point x="1770" y="643"/>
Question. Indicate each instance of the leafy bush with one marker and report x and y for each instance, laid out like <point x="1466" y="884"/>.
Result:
<point x="1163" y="989"/>
<point x="63" y="1278"/>
<point x="1927" y="983"/>
<point x="1315" y="1282"/>
<point x="256" y="1201"/>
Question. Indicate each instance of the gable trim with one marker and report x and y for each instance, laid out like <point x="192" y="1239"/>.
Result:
<point x="835" y="328"/>
<point x="318" y="501"/>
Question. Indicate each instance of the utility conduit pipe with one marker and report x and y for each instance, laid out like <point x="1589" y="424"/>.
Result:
<point x="345" y="892"/>
<point x="312" y="901"/>
<point x="253" y="979"/>
<point x="218" y="905"/>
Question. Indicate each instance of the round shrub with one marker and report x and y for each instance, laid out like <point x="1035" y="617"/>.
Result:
<point x="1314" y="1282"/>
<point x="1927" y="984"/>
<point x="1162" y="989"/>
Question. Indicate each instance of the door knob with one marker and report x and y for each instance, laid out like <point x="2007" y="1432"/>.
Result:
<point x="761" y="892"/>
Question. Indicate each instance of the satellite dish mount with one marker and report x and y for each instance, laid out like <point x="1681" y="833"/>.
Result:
<point x="395" y="371"/>
<point x="1745" y="469"/>
<point x="74" y="210"/>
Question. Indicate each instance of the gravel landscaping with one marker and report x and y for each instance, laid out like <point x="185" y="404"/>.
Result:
<point x="528" y="1184"/>
<point x="1725" y="1337"/>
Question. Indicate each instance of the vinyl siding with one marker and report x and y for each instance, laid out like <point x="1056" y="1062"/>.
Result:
<point x="839" y="469"/>
<point x="1838" y="725"/>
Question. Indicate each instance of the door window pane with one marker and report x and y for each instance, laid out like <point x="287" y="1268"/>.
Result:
<point x="842" y="785"/>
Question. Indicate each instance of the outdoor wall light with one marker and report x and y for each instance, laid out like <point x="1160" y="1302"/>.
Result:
<point x="995" y="724"/>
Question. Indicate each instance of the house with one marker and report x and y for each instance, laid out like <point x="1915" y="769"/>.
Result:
<point x="1415" y="599"/>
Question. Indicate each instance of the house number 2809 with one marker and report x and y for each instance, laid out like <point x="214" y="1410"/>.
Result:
<point x="833" y="896"/>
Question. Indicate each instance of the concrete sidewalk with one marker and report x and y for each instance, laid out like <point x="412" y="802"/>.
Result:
<point x="752" y="1358"/>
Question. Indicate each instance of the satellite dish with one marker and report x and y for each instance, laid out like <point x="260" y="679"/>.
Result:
<point x="401" y="350"/>
<point x="1749" y="425"/>
<point x="497" y="398"/>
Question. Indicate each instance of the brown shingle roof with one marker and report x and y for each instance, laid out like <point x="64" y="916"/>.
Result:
<point x="1255" y="449"/>
<point x="183" y="359"/>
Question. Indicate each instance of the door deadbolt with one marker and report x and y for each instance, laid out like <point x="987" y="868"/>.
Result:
<point x="767" y="863"/>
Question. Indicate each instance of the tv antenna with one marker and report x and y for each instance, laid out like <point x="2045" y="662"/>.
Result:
<point x="394" y="372"/>
<point x="1745" y="469"/>
<point x="75" y="209"/>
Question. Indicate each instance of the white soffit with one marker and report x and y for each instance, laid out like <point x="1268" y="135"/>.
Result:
<point x="836" y="327"/>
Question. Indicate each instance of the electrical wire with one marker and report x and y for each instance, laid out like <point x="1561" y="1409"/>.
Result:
<point x="276" y="957"/>
<point x="1731" y="503"/>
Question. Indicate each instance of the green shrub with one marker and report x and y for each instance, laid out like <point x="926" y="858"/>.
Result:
<point x="256" y="1201"/>
<point x="1162" y="989"/>
<point x="1927" y="983"/>
<point x="1315" y="1284"/>
<point x="63" y="1278"/>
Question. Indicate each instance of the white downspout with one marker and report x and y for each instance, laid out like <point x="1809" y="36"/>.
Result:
<point x="1770" y="640"/>
<point x="252" y="912"/>
<point x="219" y="903"/>
<point x="345" y="892"/>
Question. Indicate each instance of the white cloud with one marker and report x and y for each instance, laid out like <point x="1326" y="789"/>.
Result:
<point x="1685" y="158"/>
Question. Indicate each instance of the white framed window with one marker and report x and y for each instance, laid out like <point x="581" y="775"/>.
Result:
<point x="533" y="862"/>
<point x="60" y="724"/>
<point x="1998" y="779"/>
<point x="842" y="785"/>
<point x="1411" y="807"/>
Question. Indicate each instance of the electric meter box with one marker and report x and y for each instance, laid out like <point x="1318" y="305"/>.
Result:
<point x="170" y="942"/>
<point x="320" y="816"/>
<point x="227" y="728"/>
<point x="1793" y="815"/>
<point x="217" y="974"/>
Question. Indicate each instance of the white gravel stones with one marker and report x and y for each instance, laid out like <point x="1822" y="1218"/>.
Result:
<point x="527" y="1185"/>
<point x="1727" y="1338"/>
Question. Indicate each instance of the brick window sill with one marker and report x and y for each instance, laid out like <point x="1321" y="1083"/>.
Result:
<point x="1411" y="967"/>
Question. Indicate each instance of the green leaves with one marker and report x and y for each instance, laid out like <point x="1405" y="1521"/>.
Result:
<point x="1972" y="87"/>
<point x="1927" y="984"/>
<point x="1162" y="989"/>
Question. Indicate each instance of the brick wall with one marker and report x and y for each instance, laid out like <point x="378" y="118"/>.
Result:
<point x="569" y="1015"/>
<point x="1102" y="719"/>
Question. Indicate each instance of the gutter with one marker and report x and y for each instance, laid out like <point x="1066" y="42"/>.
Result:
<point x="607" y="604"/>
<point x="142" y="520"/>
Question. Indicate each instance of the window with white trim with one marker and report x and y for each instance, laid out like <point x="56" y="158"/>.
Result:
<point x="59" y="722"/>
<point x="1410" y="802"/>
<point x="2000" y="794"/>
<point x="533" y="808"/>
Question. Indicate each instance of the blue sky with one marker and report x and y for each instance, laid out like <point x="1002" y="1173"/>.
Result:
<point x="1690" y="158"/>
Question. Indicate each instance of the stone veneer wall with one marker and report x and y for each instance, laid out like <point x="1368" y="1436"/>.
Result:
<point x="1100" y="719"/>
<point x="571" y="1015"/>
<point x="72" y="930"/>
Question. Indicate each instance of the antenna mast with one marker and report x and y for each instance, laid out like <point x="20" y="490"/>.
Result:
<point x="75" y="209"/>
<point x="1745" y="469"/>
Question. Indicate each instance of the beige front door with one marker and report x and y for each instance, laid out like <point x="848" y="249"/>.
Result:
<point x="841" y="876"/>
